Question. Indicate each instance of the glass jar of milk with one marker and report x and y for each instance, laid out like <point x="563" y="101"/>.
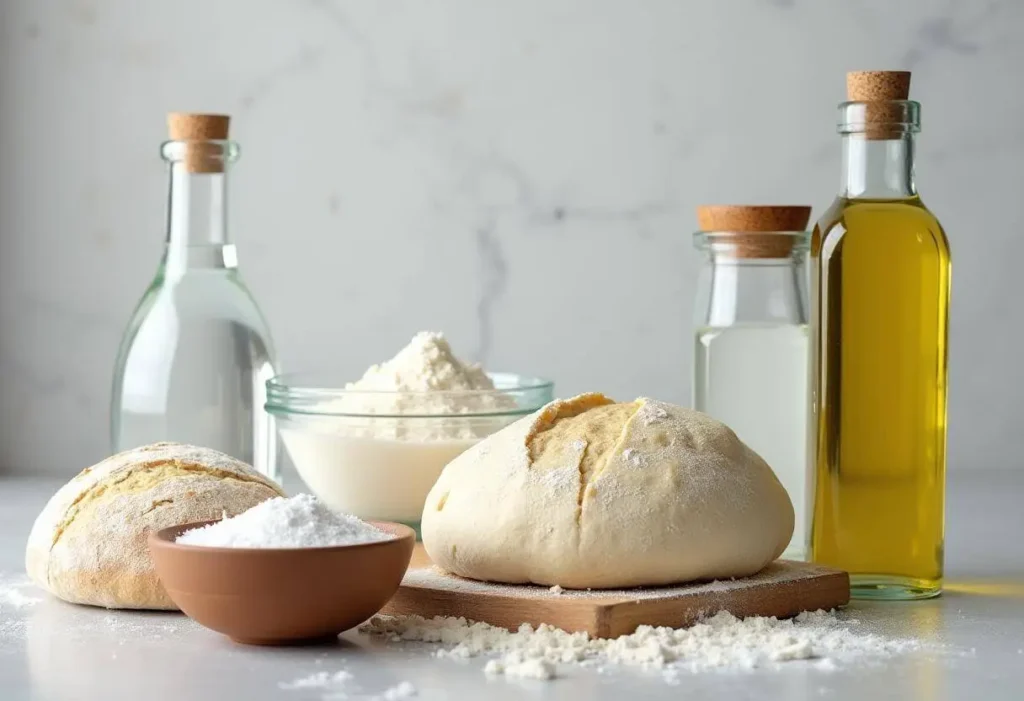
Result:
<point x="751" y="343"/>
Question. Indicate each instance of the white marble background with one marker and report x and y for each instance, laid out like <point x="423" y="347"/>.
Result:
<point x="521" y="175"/>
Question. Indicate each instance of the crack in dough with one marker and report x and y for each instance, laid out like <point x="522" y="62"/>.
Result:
<point x="587" y="439"/>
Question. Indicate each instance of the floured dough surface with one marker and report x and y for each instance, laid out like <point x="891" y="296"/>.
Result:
<point x="591" y="493"/>
<point x="88" y="545"/>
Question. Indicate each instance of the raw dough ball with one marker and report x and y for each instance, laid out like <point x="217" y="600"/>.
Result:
<point x="88" y="545"/>
<point x="592" y="493"/>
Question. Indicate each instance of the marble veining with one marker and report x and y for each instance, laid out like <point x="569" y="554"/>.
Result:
<point x="521" y="175"/>
<point x="495" y="273"/>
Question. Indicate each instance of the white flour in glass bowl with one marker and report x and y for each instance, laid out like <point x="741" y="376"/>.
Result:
<point x="375" y="447"/>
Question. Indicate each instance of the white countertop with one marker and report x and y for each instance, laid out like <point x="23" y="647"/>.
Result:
<point x="50" y="650"/>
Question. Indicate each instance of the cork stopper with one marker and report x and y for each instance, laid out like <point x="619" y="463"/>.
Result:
<point x="201" y="131"/>
<point x="879" y="88"/>
<point x="755" y="229"/>
<point x="750" y="218"/>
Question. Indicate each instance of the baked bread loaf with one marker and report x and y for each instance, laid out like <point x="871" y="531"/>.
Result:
<point x="88" y="545"/>
<point x="590" y="493"/>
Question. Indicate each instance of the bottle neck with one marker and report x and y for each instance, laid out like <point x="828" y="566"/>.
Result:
<point x="197" y="235"/>
<point x="881" y="169"/>
<point x="752" y="291"/>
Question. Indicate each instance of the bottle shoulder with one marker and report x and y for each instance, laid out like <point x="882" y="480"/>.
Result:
<point x="883" y="220"/>
<point x="200" y="297"/>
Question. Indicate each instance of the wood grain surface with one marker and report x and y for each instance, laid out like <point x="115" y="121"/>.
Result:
<point x="782" y="589"/>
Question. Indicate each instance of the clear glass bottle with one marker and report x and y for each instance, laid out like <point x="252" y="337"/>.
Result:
<point x="750" y="354"/>
<point x="880" y="267"/>
<point x="197" y="354"/>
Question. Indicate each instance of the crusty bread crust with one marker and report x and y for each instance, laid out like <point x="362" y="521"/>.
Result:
<point x="88" y="545"/>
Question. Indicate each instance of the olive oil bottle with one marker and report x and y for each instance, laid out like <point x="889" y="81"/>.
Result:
<point x="880" y="279"/>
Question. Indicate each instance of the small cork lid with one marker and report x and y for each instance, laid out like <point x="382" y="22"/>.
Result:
<point x="755" y="230"/>
<point x="876" y="86"/>
<point x="879" y="88"/>
<point x="201" y="131"/>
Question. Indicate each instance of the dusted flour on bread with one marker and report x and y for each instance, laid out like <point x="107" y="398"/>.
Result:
<point x="88" y="546"/>
<point x="588" y="492"/>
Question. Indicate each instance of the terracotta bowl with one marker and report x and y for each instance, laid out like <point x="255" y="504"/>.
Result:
<point x="281" y="596"/>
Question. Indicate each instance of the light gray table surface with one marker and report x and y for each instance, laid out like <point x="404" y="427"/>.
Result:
<point x="974" y="637"/>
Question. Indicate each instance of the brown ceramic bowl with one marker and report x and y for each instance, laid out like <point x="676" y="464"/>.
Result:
<point x="274" y="596"/>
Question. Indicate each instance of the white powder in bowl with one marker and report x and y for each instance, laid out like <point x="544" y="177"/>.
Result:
<point x="426" y="364"/>
<point x="424" y="379"/>
<point x="297" y="522"/>
<point x="404" y="420"/>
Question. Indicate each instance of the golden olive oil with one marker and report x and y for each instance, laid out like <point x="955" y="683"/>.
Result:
<point x="881" y="285"/>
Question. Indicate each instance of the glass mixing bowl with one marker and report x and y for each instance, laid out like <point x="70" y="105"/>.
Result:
<point x="376" y="454"/>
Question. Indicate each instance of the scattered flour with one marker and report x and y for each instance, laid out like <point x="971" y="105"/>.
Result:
<point x="13" y="597"/>
<point x="632" y="456"/>
<point x="297" y="522"/>
<point x="719" y="642"/>
<point x="402" y="690"/>
<point x="826" y="664"/>
<point x="340" y="687"/>
<point x="318" y="680"/>
<point x="13" y="600"/>
<point x="130" y="624"/>
<point x="515" y="664"/>
<point x="12" y="594"/>
<point x="651" y="414"/>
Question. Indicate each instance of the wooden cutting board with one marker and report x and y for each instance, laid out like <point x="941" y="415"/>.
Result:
<point x="782" y="589"/>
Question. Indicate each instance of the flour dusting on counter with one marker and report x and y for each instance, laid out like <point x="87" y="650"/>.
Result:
<point x="14" y="604"/>
<point x="719" y="642"/>
<point x="340" y="686"/>
<point x="515" y="664"/>
<point x="402" y="690"/>
<point x="12" y="592"/>
<point x="320" y="680"/>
